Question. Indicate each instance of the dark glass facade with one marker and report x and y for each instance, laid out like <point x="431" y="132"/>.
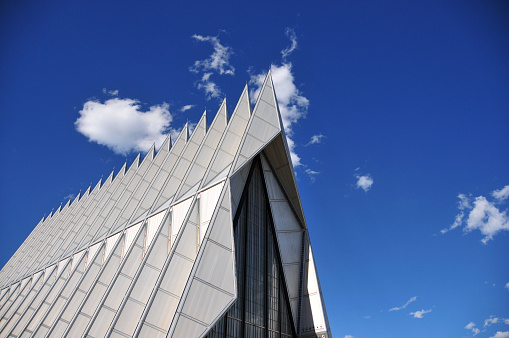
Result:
<point x="262" y="308"/>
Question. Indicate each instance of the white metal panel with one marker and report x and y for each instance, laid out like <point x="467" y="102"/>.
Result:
<point x="76" y="258"/>
<point x="216" y="267"/>
<point x="208" y="202"/>
<point x="290" y="246"/>
<point x="92" y="252"/>
<point x="129" y="317"/>
<point x="187" y="245"/>
<point x="283" y="216"/>
<point x="162" y="310"/>
<point x="48" y="272"/>
<point x="102" y="322"/>
<point x="152" y="225"/>
<point x="292" y="278"/>
<point x="187" y="328"/>
<point x="222" y="229"/>
<point x="110" y="244"/>
<point x="179" y="212"/>
<point x="147" y="331"/>
<point x="62" y="264"/>
<point x="250" y="147"/>
<point x="231" y="143"/>
<point x="312" y="286"/>
<point x="204" y="302"/>
<point x="175" y="277"/>
<point x="130" y="235"/>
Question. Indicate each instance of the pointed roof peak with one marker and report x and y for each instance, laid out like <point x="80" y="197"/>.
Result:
<point x="151" y="152"/>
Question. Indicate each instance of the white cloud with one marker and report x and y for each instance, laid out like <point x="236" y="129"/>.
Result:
<point x="501" y="194"/>
<point x="501" y="334"/>
<point x="364" y="182"/>
<point x="420" y="314"/>
<point x="349" y="336"/>
<point x="110" y="92"/>
<point x="315" y="139"/>
<point x="487" y="218"/>
<point x="290" y="33"/>
<point x="186" y="107"/>
<point x="483" y="215"/>
<point x="471" y="326"/>
<point x="122" y="125"/>
<point x="413" y="299"/>
<point x="69" y="197"/>
<point x="292" y="105"/>
<point x="507" y="286"/>
<point x="506" y="321"/>
<point x="218" y="62"/>
<point x="491" y="320"/>
<point x="457" y="222"/>
<point x="312" y="174"/>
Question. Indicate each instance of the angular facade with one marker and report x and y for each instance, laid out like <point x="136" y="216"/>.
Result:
<point x="205" y="238"/>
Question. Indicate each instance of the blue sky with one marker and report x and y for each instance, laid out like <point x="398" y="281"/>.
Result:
<point x="398" y="113"/>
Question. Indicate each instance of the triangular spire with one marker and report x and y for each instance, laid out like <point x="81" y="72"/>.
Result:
<point x="230" y="141"/>
<point x="151" y="152"/>
<point x="263" y="126"/>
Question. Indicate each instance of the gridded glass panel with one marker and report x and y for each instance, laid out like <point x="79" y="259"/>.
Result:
<point x="262" y="308"/>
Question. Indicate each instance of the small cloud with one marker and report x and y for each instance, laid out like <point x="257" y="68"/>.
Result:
<point x="312" y="174"/>
<point x="471" y="326"/>
<point x="367" y="317"/>
<point x="501" y="194"/>
<point x="315" y="139"/>
<point x="413" y="299"/>
<point x="501" y="334"/>
<point x="483" y="215"/>
<point x="110" y="92"/>
<point x="349" y="336"/>
<point x="364" y="182"/>
<point x="507" y="286"/>
<point x="419" y="314"/>
<point x="290" y="33"/>
<point x="69" y="197"/>
<point x="490" y="321"/>
<point x="218" y="62"/>
<point x="186" y="107"/>
<point x="123" y="126"/>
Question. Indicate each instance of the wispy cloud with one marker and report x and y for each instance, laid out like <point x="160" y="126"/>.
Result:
<point x="315" y="139"/>
<point x="290" y="33"/>
<point x="471" y="326"/>
<point x="186" y="107"/>
<point x="419" y="314"/>
<point x="69" y="197"/>
<point x="483" y="215"/>
<point x="501" y="334"/>
<point x="495" y="320"/>
<point x="312" y="174"/>
<point x="397" y="308"/>
<point x="218" y="62"/>
<point x="507" y="286"/>
<point x="123" y="126"/>
<point x="501" y="194"/>
<point x="110" y="92"/>
<point x="349" y="336"/>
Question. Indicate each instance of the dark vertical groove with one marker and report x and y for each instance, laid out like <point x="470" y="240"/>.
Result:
<point x="245" y="258"/>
